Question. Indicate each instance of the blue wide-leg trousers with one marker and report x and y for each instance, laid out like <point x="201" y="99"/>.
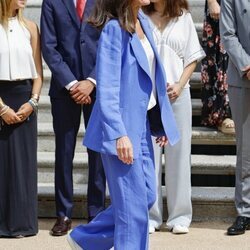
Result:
<point x="132" y="188"/>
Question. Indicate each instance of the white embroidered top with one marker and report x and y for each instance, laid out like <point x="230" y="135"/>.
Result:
<point x="16" y="59"/>
<point x="178" y="46"/>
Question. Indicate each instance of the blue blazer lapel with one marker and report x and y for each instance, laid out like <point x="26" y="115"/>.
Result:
<point x="72" y="11"/>
<point x="159" y="70"/>
<point x="139" y="53"/>
<point x="138" y="49"/>
<point x="147" y="30"/>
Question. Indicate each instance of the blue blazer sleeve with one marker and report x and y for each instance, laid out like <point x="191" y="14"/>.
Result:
<point x="53" y="58"/>
<point x="109" y="63"/>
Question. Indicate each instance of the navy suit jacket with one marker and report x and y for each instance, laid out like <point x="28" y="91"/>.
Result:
<point x="68" y="45"/>
<point x="123" y="91"/>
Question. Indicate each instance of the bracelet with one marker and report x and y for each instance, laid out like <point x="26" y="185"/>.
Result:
<point x="35" y="96"/>
<point x="1" y="104"/>
<point x="34" y="104"/>
<point x="4" y="110"/>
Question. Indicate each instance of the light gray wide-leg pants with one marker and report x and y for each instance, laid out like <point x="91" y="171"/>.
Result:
<point x="240" y="106"/>
<point x="177" y="170"/>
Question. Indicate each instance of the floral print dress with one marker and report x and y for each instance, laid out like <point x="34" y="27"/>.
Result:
<point x="214" y="95"/>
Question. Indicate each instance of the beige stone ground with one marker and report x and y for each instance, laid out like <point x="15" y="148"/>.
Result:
<point x="205" y="235"/>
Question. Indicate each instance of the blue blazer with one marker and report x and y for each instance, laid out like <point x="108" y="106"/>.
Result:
<point x="68" y="45"/>
<point x="123" y="91"/>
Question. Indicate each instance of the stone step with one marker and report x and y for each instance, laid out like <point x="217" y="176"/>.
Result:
<point x="197" y="10"/>
<point x="44" y="109"/>
<point x="46" y="138"/>
<point x="212" y="203"/>
<point x="196" y="107"/>
<point x="195" y="81"/>
<point x="33" y="10"/>
<point x="213" y="164"/>
<point x="200" y="136"/>
<point x="46" y="162"/>
<point x="201" y="165"/>
<point x="209" y="203"/>
<point x="210" y="136"/>
<point x="46" y="81"/>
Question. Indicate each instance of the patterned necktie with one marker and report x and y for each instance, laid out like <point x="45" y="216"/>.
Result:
<point x="80" y="5"/>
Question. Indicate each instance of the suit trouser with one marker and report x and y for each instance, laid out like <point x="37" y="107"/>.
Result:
<point x="66" y="121"/>
<point x="177" y="170"/>
<point x="240" y="106"/>
<point x="96" y="177"/>
<point x="132" y="190"/>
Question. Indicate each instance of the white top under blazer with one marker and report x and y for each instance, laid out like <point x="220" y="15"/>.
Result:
<point x="178" y="46"/>
<point x="16" y="59"/>
<point x="151" y="63"/>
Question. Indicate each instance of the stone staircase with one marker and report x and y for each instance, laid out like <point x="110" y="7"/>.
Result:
<point x="213" y="153"/>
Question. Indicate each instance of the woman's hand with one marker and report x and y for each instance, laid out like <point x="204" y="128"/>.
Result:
<point x="10" y="117"/>
<point x="24" y="111"/>
<point x="214" y="9"/>
<point x="174" y="91"/>
<point x="124" y="149"/>
<point x="162" y="141"/>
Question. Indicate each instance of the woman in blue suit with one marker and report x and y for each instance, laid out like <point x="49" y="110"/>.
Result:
<point x="131" y="104"/>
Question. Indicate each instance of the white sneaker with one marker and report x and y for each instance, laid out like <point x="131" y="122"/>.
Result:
<point x="73" y="244"/>
<point x="178" y="229"/>
<point x="151" y="229"/>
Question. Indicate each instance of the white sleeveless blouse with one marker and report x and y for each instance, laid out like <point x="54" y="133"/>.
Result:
<point x="16" y="59"/>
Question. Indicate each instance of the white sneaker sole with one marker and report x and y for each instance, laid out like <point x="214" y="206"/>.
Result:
<point x="180" y="230"/>
<point x="151" y="230"/>
<point x="73" y="244"/>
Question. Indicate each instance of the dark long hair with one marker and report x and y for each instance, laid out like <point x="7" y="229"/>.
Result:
<point x="105" y="10"/>
<point x="173" y="8"/>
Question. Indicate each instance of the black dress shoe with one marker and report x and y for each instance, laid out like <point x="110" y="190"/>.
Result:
<point x="241" y="224"/>
<point x="61" y="227"/>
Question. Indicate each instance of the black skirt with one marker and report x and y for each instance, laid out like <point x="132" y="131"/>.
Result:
<point x="18" y="166"/>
